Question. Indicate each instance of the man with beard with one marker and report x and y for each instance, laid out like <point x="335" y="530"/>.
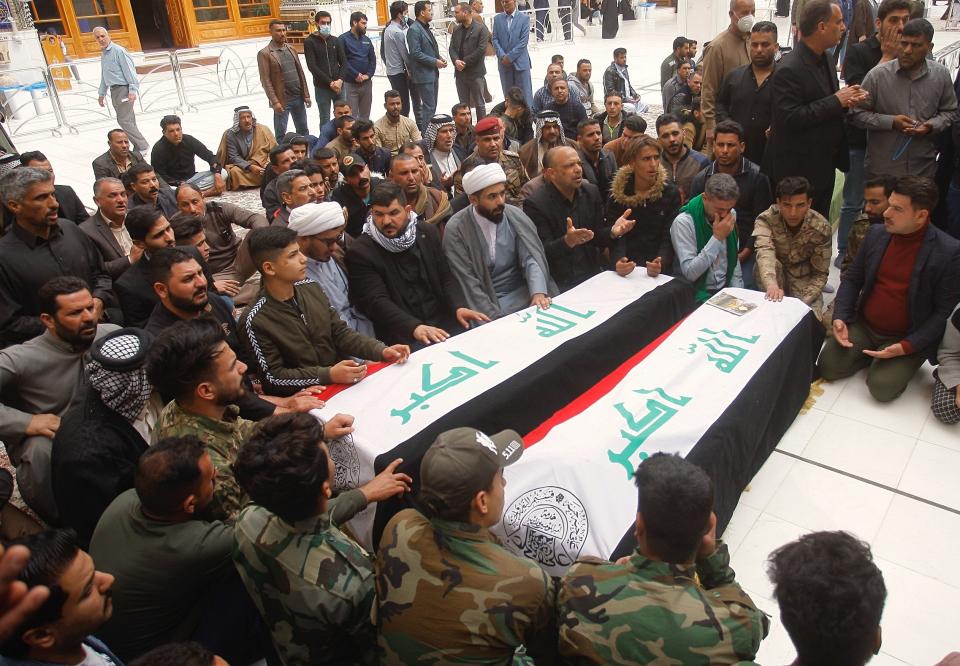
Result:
<point x="40" y="379"/>
<point x="393" y="129"/>
<point x="424" y="62"/>
<point x="118" y="158"/>
<point x="106" y="227"/>
<point x="37" y="248"/>
<point x="429" y="204"/>
<point x="320" y="228"/>
<point x="281" y="159"/>
<point x="494" y="251"/>
<point x="565" y="211"/>
<point x="745" y="94"/>
<point x="682" y="163"/>
<point x="568" y="109"/>
<point x="755" y="196"/>
<point x="365" y="145"/>
<point x="465" y="140"/>
<point x="580" y="87"/>
<point x="174" y="156"/>
<point x="793" y="246"/>
<point x="182" y="290"/>
<point x="283" y="80"/>
<point x="71" y="208"/>
<point x="400" y="277"/>
<point x="315" y="172"/>
<point x="468" y="44"/>
<point x="490" y="150"/>
<point x="343" y="143"/>
<point x="61" y="631"/>
<point x="599" y="164"/>
<point x="295" y="190"/>
<point x="297" y="338"/>
<point x="439" y="139"/>
<point x="548" y="133"/>
<point x="142" y="180"/>
<point x="359" y="66"/>
<point x="245" y="150"/>
<point x="728" y="50"/>
<point x="354" y="192"/>
<point x="150" y="231"/>
<point x="330" y="167"/>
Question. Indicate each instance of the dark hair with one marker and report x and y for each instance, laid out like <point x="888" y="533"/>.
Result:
<point x="765" y="26"/>
<point x="680" y="41"/>
<point x="266" y="243"/>
<point x="32" y="156"/>
<point x="321" y="14"/>
<point x="324" y="153"/>
<point x="356" y="17"/>
<point x="457" y="108"/>
<point x="277" y="152"/>
<point x="831" y="596"/>
<point x="136" y="171"/>
<point x="187" y="186"/>
<point x="922" y="191"/>
<point x="185" y="226"/>
<point x="667" y="119"/>
<point x="886" y="182"/>
<point x="730" y="127"/>
<point x="114" y="131"/>
<point x="311" y="167"/>
<point x="362" y="125"/>
<point x="560" y="80"/>
<point x="401" y="157"/>
<point x="585" y="123"/>
<point x="170" y="120"/>
<point x="390" y="94"/>
<point x="343" y="120"/>
<point x="52" y="551"/>
<point x="419" y="6"/>
<point x="888" y="6"/>
<point x="582" y="61"/>
<point x="162" y="261"/>
<point x="140" y="220"/>
<point x="340" y="103"/>
<point x="675" y="498"/>
<point x="619" y="52"/>
<point x="274" y="22"/>
<point x="168" y="472"/>
<point x="178" y="654"/>
<point x="916" y="27"/>
<point x="182" y="355"/>
<point x="282" y="466"/>
<point x="410" y="145"/>
<point x="634" y="145"/>
<point x="791" y="186"/>
<point x="813" y="14"/>
<point x="397" y="8"/>
<point x="297" y="140"/>
<point x="516" y="97"/>
<point x="62" y="285"/>
<point x="387" y="192"/>
<point x="636" y="123"/>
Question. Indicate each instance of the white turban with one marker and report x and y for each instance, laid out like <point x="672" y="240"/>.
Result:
<point x="315" y="218"/>
<point x="482" y="177"/>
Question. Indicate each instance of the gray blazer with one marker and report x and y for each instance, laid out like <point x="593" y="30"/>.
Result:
<point x="97" y="228"/>
<point x="424" y="53"/>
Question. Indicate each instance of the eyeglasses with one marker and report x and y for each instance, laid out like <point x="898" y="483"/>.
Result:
<point x="330" y="242"/>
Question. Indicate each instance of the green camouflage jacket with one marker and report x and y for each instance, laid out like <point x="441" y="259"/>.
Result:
<point x="449" y="593"/>
<point x="516" y="174"/>
<point x="223" y="440"/>
<point x="857" y="233"/>
<point x="798" y="262"/>
<point x="312" y="584"/>
<point x="649" y="612"/>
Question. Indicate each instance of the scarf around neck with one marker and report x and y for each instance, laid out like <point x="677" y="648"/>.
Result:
<point x="694" y="208"/>
<point x="401" y="243"/>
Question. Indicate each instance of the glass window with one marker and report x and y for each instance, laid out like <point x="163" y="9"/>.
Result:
<point x="44" y="10"/>
<point x="211" y="10"/>
<point x="97" y="14"/>
<point x="254" y="8"/>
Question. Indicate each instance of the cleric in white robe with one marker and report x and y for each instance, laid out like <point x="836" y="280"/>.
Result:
<point x="494" y="250"/>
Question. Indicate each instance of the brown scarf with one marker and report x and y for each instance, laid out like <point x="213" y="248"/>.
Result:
<point x="425" y="202"/>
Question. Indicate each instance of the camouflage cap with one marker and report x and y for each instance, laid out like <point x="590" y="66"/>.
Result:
<point x="462" y="462"/>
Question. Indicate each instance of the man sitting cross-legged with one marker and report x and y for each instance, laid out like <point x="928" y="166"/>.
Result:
<point x="297" y="338"/>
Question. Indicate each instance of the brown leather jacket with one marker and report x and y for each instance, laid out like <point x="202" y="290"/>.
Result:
<point x="271" y="75"/>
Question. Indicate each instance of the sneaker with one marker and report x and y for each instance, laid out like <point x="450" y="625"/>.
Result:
<point x="838" y="261"/>
<point x="829" y="288"/>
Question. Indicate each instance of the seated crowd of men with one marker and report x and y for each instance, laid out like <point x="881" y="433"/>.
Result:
<point x="157" y="369"/>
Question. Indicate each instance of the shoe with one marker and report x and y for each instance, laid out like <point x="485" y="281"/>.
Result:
<point x="838" y="261"/>
<point x="829" y="288"/>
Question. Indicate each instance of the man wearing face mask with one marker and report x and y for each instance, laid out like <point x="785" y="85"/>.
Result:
<point x="728" y="50"/>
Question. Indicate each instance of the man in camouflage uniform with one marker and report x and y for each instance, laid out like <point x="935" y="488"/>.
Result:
<point x="490" y="149"/>
<point x="793" y="246"/>
<point x="675" y="600"/>
<point x="447" y="591"/>
<point x="312" y="584"/>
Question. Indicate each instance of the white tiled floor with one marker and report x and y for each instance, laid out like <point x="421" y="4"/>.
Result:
<point x="899" y="445"/>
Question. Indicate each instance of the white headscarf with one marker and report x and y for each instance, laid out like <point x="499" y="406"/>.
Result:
<point x="315" y="218"/>
<point x="483" y="177"/>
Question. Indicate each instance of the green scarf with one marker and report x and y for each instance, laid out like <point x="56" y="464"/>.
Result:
<point x="694" y="208"/>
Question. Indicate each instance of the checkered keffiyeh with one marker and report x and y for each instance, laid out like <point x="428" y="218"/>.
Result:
<point x="117" y="372"/>
<point x="433" y="128"/>
<point x="236" y="117"/>
<point x="8" y="163"/>
<point x="542" y="119"/>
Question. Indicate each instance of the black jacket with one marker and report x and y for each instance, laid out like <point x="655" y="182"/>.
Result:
<point x="325" y="58"/>
<point x="934" y="285"/>
<point x="95" y="453"/>
<point x="28" y="262"/>
<point x="807" y="134"/>
<point x="98" y="229"/>
<point x="135" y="289"/>
<point x="175" y="162"/>
<point x="740" y="99"/>
<point x="755" y="196"/>
<point x="379" y="287"/>
<point x="356" y="208"/>
<point x="601" y="175"/>
<point x="650" y="237"/>
<point x="861" y="58"/>
<point x="549" y="210"/>
<point x="469" y="45"/>
<point x="166" y="201"/>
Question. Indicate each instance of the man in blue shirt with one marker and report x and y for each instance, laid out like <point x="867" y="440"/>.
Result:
<point x="360" y="65"/>
<point x="118" y="74"/>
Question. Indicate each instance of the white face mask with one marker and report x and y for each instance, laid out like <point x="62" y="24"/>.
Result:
<point x="745" y="23"/>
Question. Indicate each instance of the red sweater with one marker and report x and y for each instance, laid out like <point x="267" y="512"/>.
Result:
<point x="886" y="310"/>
